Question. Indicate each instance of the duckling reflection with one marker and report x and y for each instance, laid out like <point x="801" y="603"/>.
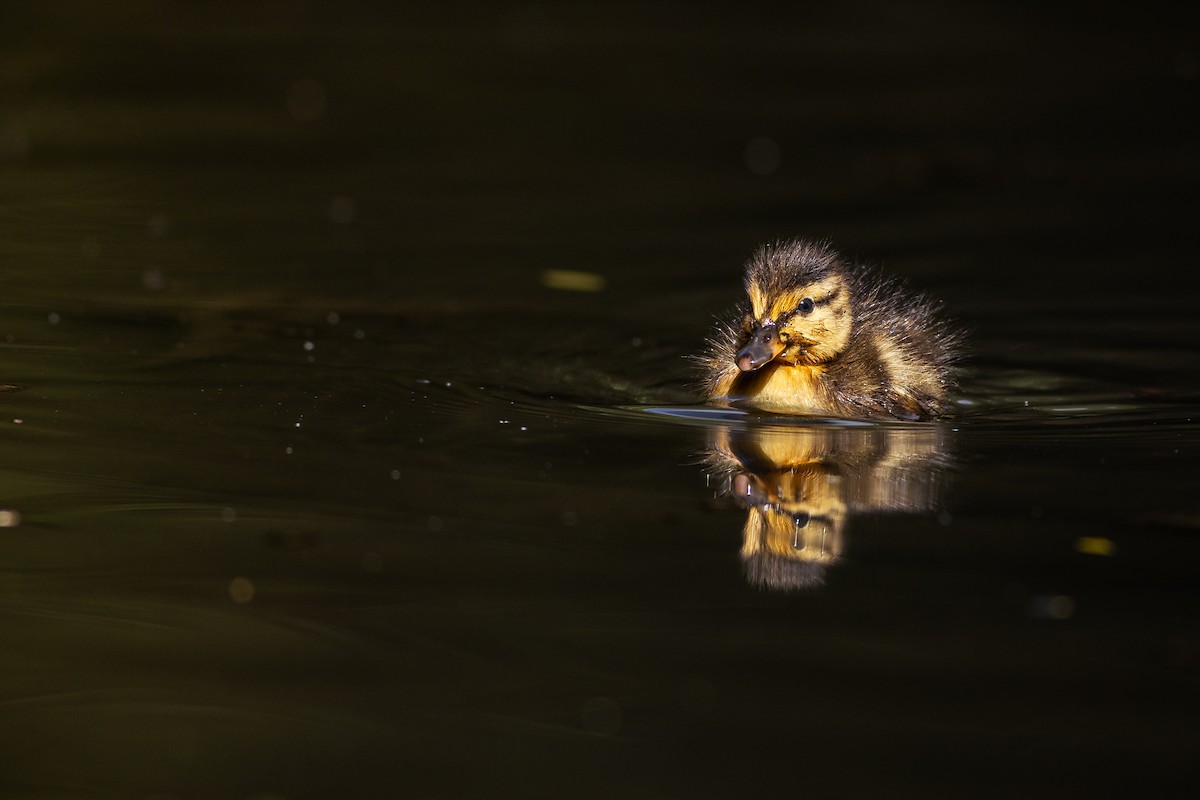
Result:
<point x="801" y="484"/>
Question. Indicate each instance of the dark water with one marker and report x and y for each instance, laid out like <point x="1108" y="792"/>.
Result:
<point x="319" y="484"/>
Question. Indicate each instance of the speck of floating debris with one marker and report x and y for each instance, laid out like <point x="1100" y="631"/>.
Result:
<point x="1095" y="546"/>
<point x="570" y="280"/>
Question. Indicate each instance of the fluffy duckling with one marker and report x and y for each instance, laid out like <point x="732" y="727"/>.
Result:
<point x="819" y="335"/>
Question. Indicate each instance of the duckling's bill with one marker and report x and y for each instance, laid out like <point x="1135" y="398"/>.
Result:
<point x="764" y="346"/>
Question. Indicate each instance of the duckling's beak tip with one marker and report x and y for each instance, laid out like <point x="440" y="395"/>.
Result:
<point x="762" y="348"/>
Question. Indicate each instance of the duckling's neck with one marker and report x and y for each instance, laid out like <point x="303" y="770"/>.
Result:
<point x="787" y="387"/>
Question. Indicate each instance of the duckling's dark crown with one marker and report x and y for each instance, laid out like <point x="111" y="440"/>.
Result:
<point x="788" y="265"/>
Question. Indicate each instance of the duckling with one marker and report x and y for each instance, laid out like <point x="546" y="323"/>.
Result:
<point x="820" y="335"/>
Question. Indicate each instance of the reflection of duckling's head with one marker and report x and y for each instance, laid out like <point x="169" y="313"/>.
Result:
<point x="793" y="527"/>
<point x="800" y="307"/>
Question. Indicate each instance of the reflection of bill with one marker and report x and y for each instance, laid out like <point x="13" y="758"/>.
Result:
<point x="799" y="485"/>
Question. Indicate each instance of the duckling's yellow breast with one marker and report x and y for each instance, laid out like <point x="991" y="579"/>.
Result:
<point x="787" y="388"/>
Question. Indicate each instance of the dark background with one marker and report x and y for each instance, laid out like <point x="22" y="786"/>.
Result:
<point x="1037" y="150"/>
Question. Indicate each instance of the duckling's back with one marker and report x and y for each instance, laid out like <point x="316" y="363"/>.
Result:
<point x="902" y="352"/>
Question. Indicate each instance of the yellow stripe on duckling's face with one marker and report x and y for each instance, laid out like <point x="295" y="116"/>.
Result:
<point x="812" y="337"/>
<point x="765" y="306"/>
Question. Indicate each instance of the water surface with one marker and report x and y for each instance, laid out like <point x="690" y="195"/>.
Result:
<point x="322" y="484"/>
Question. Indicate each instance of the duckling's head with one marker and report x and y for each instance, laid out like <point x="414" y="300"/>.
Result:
<point x="800" y="297"/>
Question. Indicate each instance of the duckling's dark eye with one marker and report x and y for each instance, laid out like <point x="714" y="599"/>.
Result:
<point x="806" y="305"/>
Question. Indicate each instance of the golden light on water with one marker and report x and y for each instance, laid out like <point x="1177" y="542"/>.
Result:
<point x="572" y="280"/>
<point x="1096" y="546"/>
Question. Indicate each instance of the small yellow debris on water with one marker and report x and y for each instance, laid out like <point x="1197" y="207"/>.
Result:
<point x="572" y="280"/>
<point x="1095" y="545"/>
